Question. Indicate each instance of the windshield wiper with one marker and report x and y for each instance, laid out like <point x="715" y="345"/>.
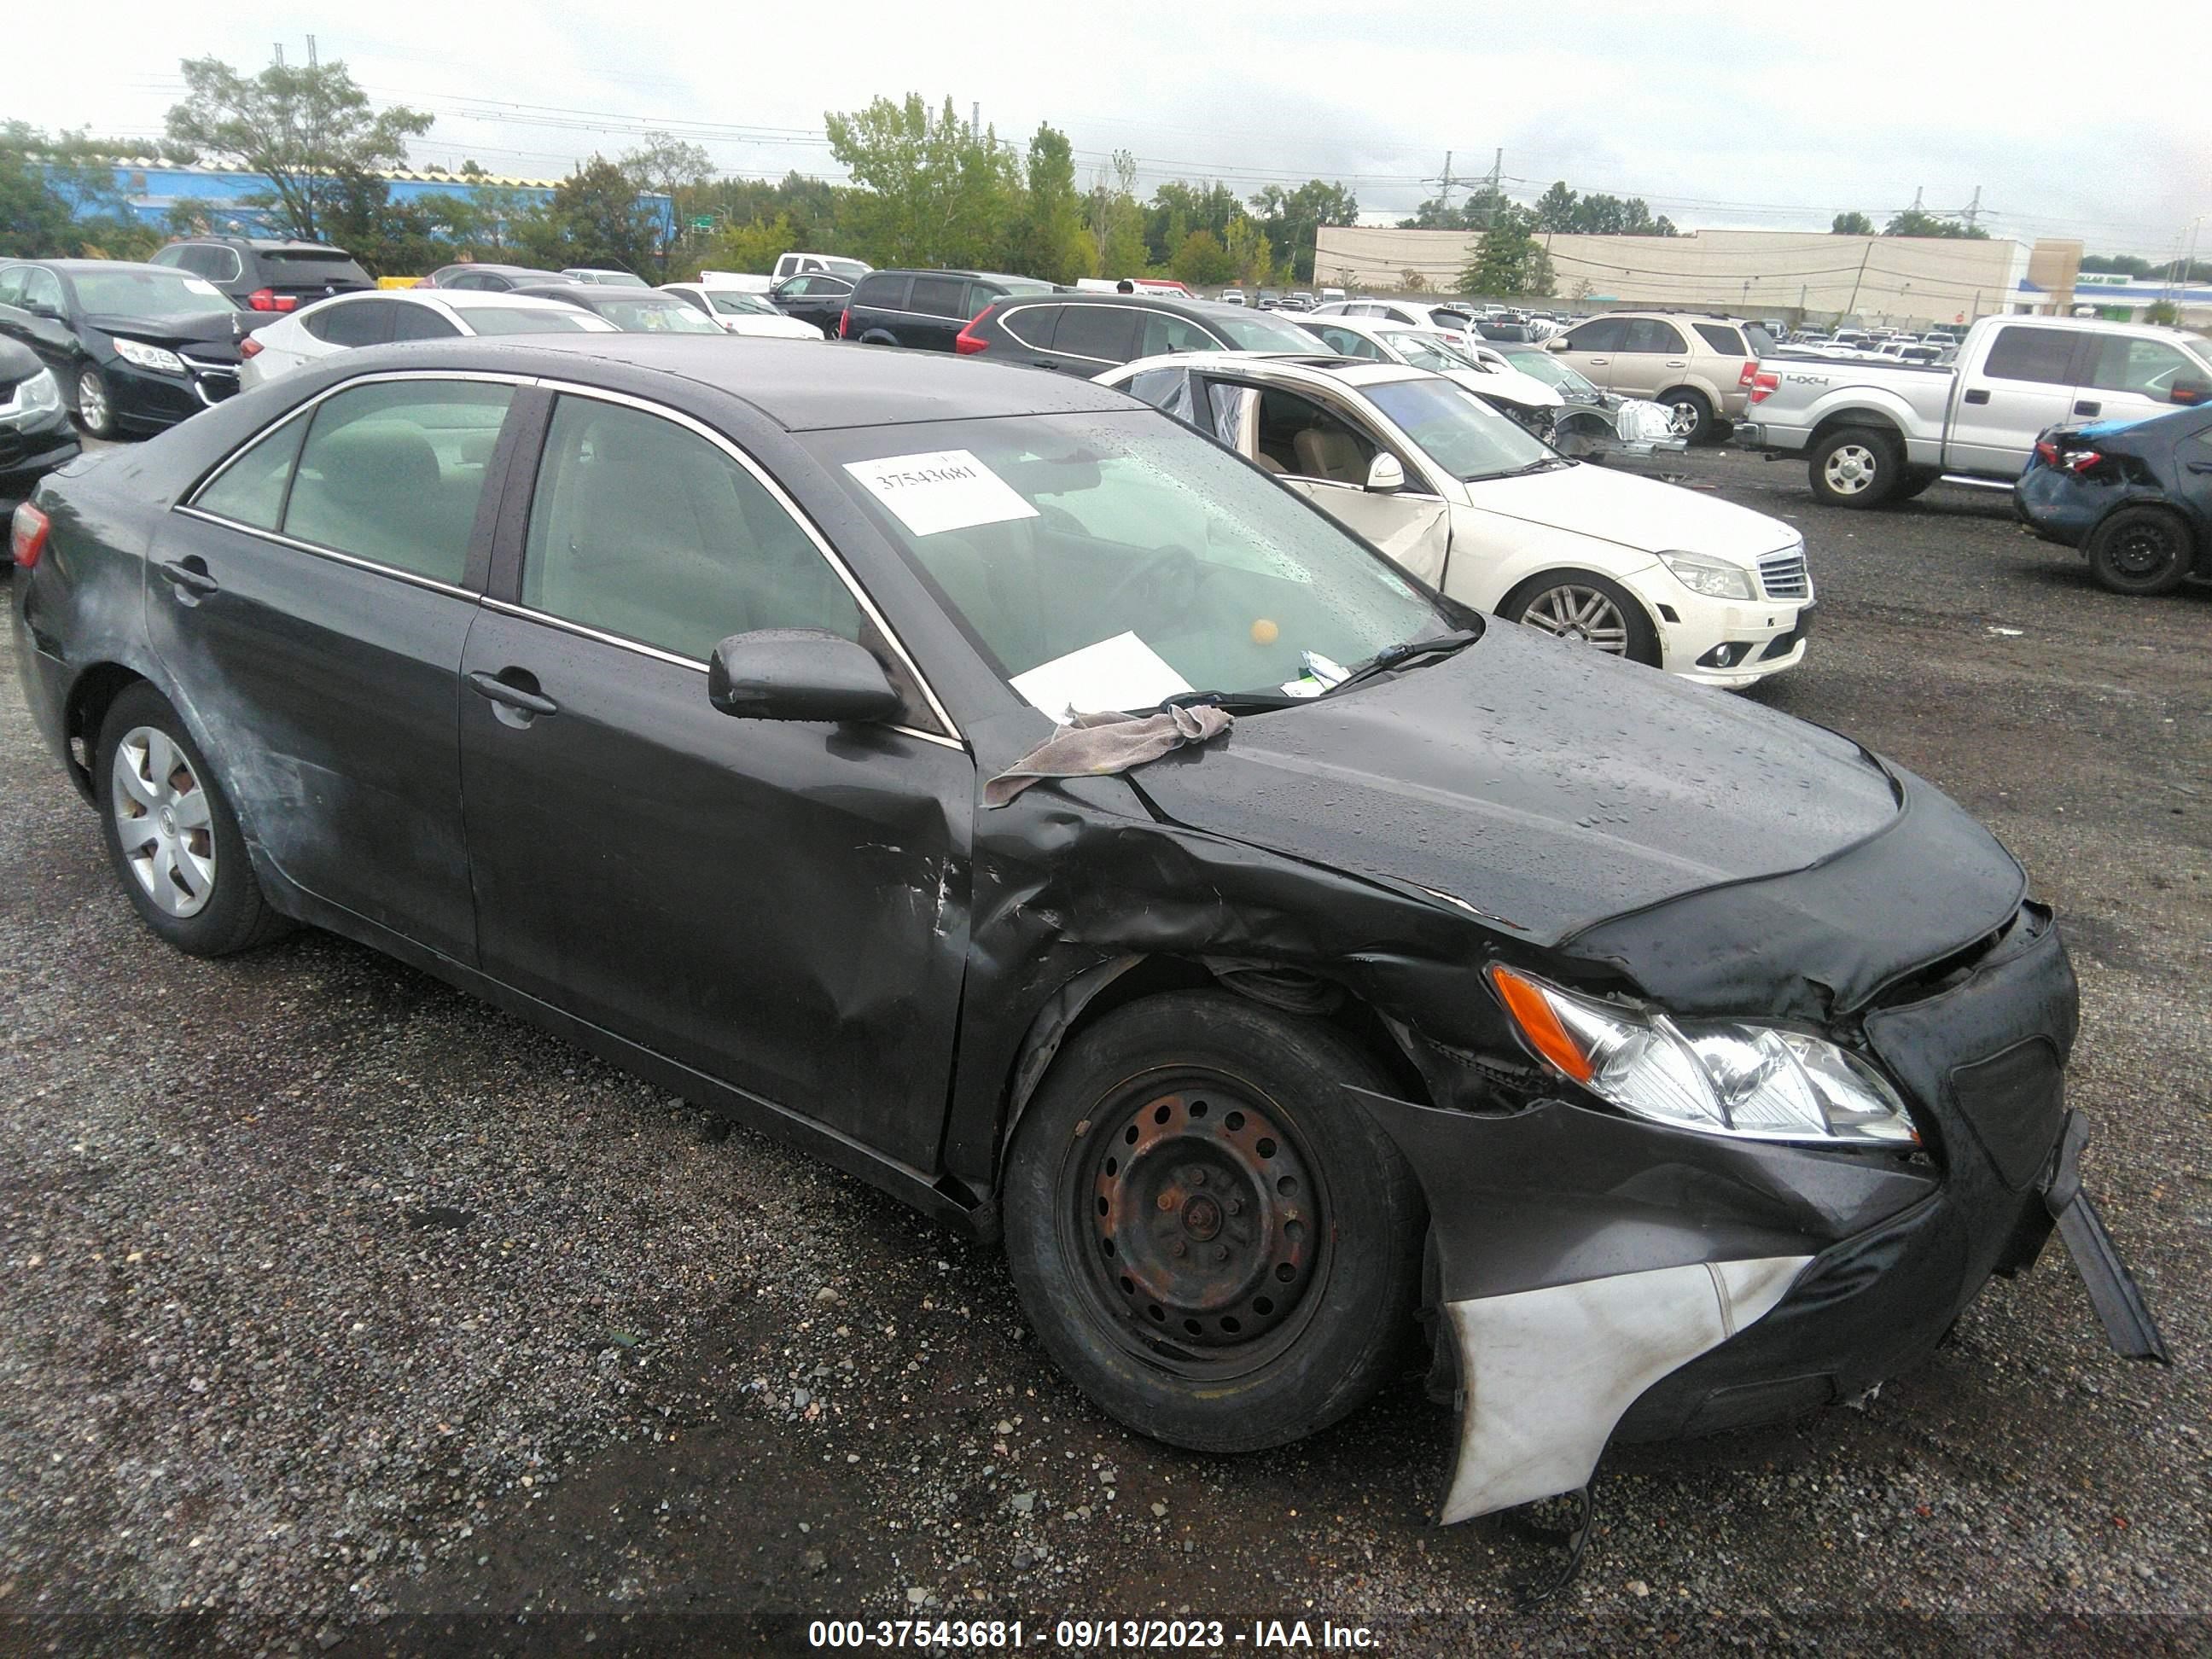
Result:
<point x="1231" y="701"/>
<point x="1392" y="657"/>
<point x="1542" y="464"/>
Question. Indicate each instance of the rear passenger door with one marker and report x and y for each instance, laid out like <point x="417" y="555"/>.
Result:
<point x="2128" y="378"/>
<point x="2024" y="383"/>
<point x="1653" y="358"/>
<point x="1091" y="339"/>
<point x="310" y="602"/>
<point x="774" y="904"/>
<point x="937" y="311"/>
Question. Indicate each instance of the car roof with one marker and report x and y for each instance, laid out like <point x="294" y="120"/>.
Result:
<point x="264" y="244"/>
<point x="462" y="298"/>
<point x="507" y="270"/>
<point x="75" y="267"/>
<point x="794" y="383"/>
<point x="1348" y="371"/>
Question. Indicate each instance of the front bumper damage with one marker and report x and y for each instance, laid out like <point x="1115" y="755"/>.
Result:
<point x="1599" y="1277"/>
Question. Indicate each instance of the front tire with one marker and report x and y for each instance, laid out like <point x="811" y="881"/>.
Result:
<point x="171" y="834"/>
<point x="1209" y="1235"/>
<point x="1856" y="467"/>
<point x="1587" y="609"/>
<point x="95" y="408"/>
<point x="2140" y="551"/>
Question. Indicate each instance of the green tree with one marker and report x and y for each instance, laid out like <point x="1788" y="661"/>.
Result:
<point x="929" y="190"/>
<point x="1509" y="262"/>
<point x="1044" y="238"/>
<point x="304" y="128"/>
<point x="1914" y="223"/>
<point x="753" y="247"/>
<point x="1293" y="219"/>
<point x="2163" y="312"/>
<point x="1117" y="222"/>
<point x="1201" y="260"/>
<point x="594" y="218"/>
<point x="1851" y="224"/>
<point x="59" y="197"/>
<point x="1555" y="207"/>
<point x="1250" y="257"/>
<point x="1179" y="207"/>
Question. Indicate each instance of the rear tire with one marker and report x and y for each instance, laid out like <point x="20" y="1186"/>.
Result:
<point x="1694" y="423"/>
<point x="2140" y="551"/>
<point x="1209" y="1235"/>
<point x="1856" y="467"/>
<point x="171" y="834"/>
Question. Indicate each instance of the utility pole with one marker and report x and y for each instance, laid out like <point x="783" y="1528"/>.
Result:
<point x="1852" y="310"/>
<point x="975" y="119"/>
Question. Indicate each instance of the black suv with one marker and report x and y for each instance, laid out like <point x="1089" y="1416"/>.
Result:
<point x="261" y="274"/>
<point x="1089" y="333"/>
<point x="925" y="308"/>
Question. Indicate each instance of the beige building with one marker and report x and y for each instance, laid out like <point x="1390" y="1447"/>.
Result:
<point x="1894" y="280"/>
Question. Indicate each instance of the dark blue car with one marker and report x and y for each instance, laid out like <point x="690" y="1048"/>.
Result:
<point x="2135" y="496"/>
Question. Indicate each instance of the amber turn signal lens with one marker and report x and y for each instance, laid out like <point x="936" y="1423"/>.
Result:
<point x="1533" y="1013"/>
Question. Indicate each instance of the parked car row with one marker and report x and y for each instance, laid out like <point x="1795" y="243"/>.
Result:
<point x="1362" y="965"/>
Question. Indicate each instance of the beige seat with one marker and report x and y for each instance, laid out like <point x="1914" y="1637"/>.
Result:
<point x="1330" y="453"/>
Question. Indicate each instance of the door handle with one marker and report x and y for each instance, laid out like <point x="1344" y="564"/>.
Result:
<point x="2200" y="466"/>
<point x="189" y="578"/>
<point x="1678" y="362"/>
<point x="1980" y="394"/>
<point x="523" y="699"/>
<point x="2087" y="408"/>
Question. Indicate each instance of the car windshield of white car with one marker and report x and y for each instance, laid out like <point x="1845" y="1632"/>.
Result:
<point x="656" y="314"/>
<point x="1458" y="431"/>
<point x="1111" y="560"/>
<point x="744" y="305"/>
<point x="520" y="319"/>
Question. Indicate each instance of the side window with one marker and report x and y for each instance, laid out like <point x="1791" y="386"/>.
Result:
<point x="1031" y="324"/>
<point x="393" y="472"/>
<point x="171" y="256"/>
<point x="351" y="323"/>
<point x="411" y="321"/>
<point x="1607" y="334"/>
<point x="2045" y="354"/>
<point x="641" y="528"/>
<point x="937" y="296"/>
<point x="1165" y="333"/>
<point x="888" y="293"/>
<point x="796" y="285"/>
<point x="2149" y="367"/>
<point x="1298" y="435"/>
<point x="11" y="284"/>
<point x="1102" y="333"/>
<point x="981" y="300"/>
<point x="251" y="489"/>
<point x="1167" y="389"/>
<point x="1648" y="334"/>
<point x="1722" y="338"/>
<point x="43" y="288"/>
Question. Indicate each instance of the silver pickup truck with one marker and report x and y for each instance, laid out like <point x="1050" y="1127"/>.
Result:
<point x="1872" y="433"/>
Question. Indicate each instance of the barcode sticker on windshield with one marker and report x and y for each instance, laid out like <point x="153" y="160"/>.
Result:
<point x="945" y="490"/>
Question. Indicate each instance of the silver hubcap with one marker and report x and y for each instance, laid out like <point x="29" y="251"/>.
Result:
<point x="91" y="398"/>
<point x="1851" y="469"/>
<point x="161" y="821"/>
<point x="1581" y="614"/>
<point x="1683" y="420"/>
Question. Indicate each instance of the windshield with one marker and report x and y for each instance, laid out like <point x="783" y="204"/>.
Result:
<point x="739" y="304"/>
<point x="1456" y="429"/>
<point x="1255" y="331"/>
<point x="529" y="319"/>
<point x="653" y="314"/>
<point x="1423" y="353"/>
<point x="1543" y="366"/>
<point x="1109" y="561"/>
<point x="149" y="294"/>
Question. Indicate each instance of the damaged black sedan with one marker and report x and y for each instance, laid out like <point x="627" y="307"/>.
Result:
<point x="1026" y="804"/>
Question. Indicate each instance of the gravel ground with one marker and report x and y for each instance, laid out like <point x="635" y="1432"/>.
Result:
<point x="340" y="1312"/>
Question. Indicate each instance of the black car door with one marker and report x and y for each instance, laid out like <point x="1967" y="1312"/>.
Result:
<point x="936" y="313"/>
<point x="1093" y="338"/>
<point x="310" y="602"/>
<point x="777" y="905"/>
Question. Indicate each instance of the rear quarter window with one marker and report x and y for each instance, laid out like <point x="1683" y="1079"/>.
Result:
<point x="1722" y="338"/>
<point x="888" y="293"/>
<point x="2045" y="354"/>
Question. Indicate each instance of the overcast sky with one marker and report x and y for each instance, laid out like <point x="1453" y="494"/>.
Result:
<point x="1716" y="114"/>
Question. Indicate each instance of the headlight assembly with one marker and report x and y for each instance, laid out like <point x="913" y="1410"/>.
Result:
<point x="1722" y="1077"/>
<point x="160" y="359"/>
<point x="37" y="392"/>
<point x="1712" y="577"/>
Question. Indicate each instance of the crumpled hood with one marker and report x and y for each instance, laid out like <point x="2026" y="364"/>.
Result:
<point x="216" y="332"/>
<point x="1633" y="512"/>
<point x="1512" y="385"/>
<point x="1547" y="785"/>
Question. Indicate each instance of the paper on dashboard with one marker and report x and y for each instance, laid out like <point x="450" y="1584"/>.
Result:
<point x="1121" y="672"/>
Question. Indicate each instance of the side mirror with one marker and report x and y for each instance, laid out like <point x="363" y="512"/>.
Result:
<point x="2190" y="391"/>
<point x="1557" y="342"/>
<point x="798" y="674"/>
<point x="40" y="308"/>
<point x="1385" y="476"/>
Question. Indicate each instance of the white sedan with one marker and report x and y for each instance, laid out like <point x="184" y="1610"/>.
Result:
<point x="741" y="312"/>
<point x="383" y="316"/>
<point x="1528" y="400"/>
<point x="1470" y="502"/>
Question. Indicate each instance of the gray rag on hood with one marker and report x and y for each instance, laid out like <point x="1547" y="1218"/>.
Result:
<point x="1094" y="745"/>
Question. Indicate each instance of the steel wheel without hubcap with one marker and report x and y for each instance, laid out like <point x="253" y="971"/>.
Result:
<point x="1851" y="469"/>
<point x="162" y="821"/>
<point x="2144" y="549"/>
<point x="92" y="408"/>
<point x="1583" y="615"/>
<point x="1202" y="1223"/>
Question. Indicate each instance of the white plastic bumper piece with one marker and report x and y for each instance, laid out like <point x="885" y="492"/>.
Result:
<point x="1545" y="1374"/>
